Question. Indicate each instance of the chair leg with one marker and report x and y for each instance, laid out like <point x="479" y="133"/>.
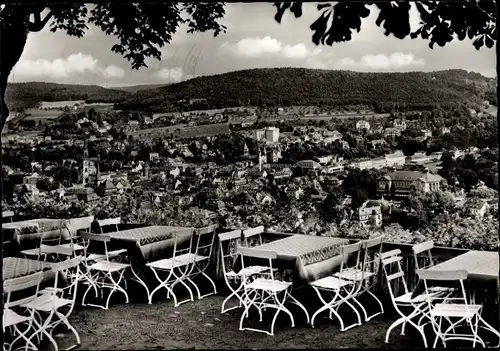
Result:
<point x="296" y="302"/>
<point x="393" y="325"/>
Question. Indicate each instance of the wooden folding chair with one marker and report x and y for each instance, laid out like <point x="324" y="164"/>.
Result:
<point x="464" y="313"/>
<point x="363" y="275"/>
<point x="232" y="240"/>
<point x="101" y="273"/>
<point x="422" y="253"/>
<point x="51" y="301"/>
<point x="265" y="291"/>
<point x="12" y="319"/>
<point x="200" y="260"/>
<point x="339" y="289"/>
<point x="175" y="270"/>
<point x="51" y="244"/>
<point x="394" y="274"/>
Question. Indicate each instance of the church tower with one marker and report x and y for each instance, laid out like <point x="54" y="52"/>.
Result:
<point x="86" y="161"/>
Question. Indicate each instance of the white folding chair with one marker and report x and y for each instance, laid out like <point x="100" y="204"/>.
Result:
<point x="175" y="271"/>
<point x="339" y="289"/>
<point x="264" y="293"/>
<point x="12" y="319"/>
<point x="114" y="222"/>
<point x="75" y="226"/>
<point x="232" y="239"/>
<point x="51" y="244"/>
<point x="422" y="253"/>
<point x="460" y="310"/>
<point x="363" y="275"/>
<point x="200" y="260"/>
<point x="52" y="301"/>
<point x="395" y="278"/>
<point x="101" y="273"/>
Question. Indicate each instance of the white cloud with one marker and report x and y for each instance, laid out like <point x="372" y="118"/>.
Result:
<point x="395" y="60"/>
<point x="172" y="75"/>
<point x="61" y="68"/>
<point x="257" y="47"/>
<point x="113" y="71"/>
<point x="254" y="47"/>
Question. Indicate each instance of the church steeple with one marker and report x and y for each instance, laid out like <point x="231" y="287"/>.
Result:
<point x="86" y="161"/>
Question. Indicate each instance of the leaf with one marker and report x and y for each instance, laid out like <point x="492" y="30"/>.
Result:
<point x="479" y="42"/>
<point x="323" y="6"/>
<point x="489" y="42"/>
<point x="281" y="7"/>
<point x="319" y="26"/>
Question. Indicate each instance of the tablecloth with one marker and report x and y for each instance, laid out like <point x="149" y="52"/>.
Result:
<point x="15" y="267"/>
<point x="308" y="257"/>
<point x="151" y="243"/>
<point x="26" y="234"/>
<point x="482" y="267"/>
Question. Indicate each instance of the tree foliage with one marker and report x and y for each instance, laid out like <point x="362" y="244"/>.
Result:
<point x="441" y="21"/>
<point x="142" y="28"/>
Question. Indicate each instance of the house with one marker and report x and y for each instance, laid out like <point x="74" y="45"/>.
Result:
<point x="403" y="181"/>
<point x="392" y="132"/>
<point x="396" y="159"/>
<point x="368" y="163"/>
<point x="362" y="125"/>
<point x="344" y="144"/>
<point x="476" y="207"/>
<point x="426" y="133"/>
<point x="378" y="142"/>
<point x="445" y="130"/>
<point x="399" y="124"/>
<point x="153" y="156"/>
<point x="106" y="188"/>
<point x="370" y="214"/>
<point x="419" y="158"/>
<point x="308" y="164"/>
<point x="436" y="156"/>
<point x="269" y="134"/>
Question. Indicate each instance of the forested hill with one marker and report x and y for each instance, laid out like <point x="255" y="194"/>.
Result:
<point x="27" y="95"/>
<point x="300" y="86"/>
<point x="136" y="88"/>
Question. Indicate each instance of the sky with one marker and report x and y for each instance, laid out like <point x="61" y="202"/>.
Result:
<point x="253" y="40"/>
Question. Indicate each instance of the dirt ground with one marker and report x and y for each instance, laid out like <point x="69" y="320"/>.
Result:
<point x="200" y="325"/>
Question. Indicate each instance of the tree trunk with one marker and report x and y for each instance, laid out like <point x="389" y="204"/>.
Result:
<point x="13" y="35"/>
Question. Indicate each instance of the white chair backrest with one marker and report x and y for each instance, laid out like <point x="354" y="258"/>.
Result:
<point x="372" y="249"/>
<point x="69" y="269"/>
<point x="391" y="266"/>
<point x="205" y="238"/>
<point x="259" y="254"/>
<point x="423" y="250"/>
<point x="229" y="239"/>
<point x="251" y="233"/>
<point x="8" y="214"/>
<point x="21" y="283"/>
<point x="234" y="234"/>
<point x="109" y="221"/>
<point x="81" y="223"/>
<point x="449" y="276"/>
<point x="353" y="252"/>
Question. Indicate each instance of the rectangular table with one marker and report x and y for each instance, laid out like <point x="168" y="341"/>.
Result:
<point x="481" y="265"/>
<point x="309" y="257"/>
<point x="26" y="234"/>
<point x="151" y="243"/>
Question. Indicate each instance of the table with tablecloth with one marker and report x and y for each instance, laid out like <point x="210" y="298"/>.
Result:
<point x="26" y="234"/>
<point x="482" y="268"/>
<point x="16" y="267"/>
<point x="307" y="257"/>
<point x="150" y="243"/>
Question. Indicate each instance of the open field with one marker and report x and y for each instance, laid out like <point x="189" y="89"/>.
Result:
<point x="60" y="104"/>
<point x="185" y="132"/>
<point x="39" y="114"/>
